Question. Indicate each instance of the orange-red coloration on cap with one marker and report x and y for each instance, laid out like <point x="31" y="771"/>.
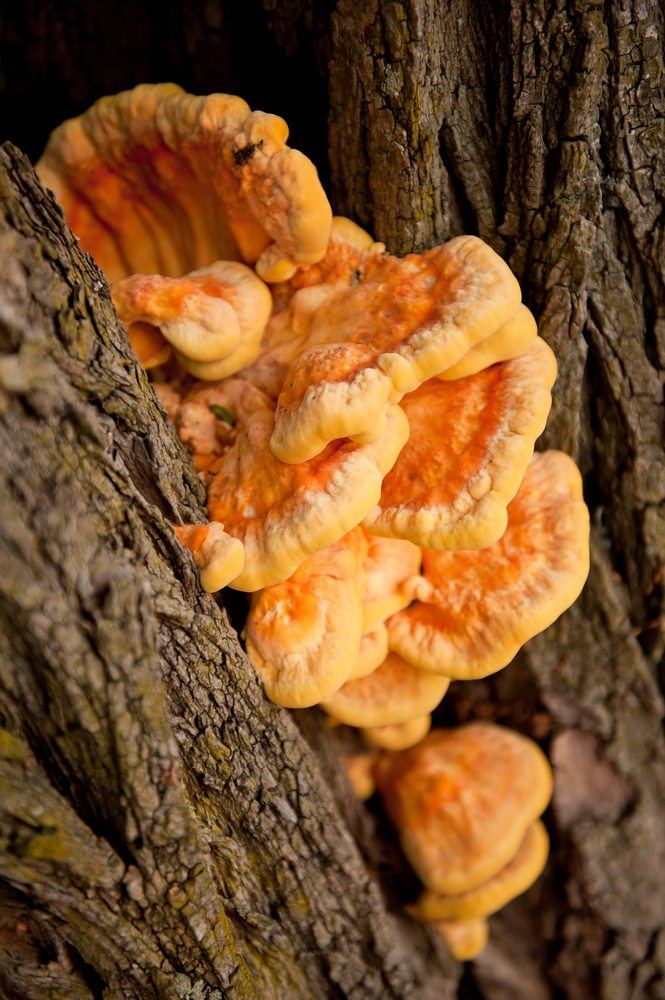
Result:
<point x="470" y="442"/>
<point x="284" y="513"/>
<point x="392" y="694"/>
<point x="404" y="322"/>
<point x="510" y="881"/>
<point x="296" y="302"/>
<point x="474" y="610"/>
<point x="462" y="800"/>
<point x="303" y="635"/>
<point x="156" y="181"/>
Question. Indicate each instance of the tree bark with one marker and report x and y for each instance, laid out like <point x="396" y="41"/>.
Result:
<point x="536" y="125"/>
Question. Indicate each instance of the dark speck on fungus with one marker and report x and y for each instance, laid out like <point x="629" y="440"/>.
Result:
<point x="244" y="155"/>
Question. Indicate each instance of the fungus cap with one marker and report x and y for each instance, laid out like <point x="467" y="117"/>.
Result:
<point x="465" y="938"/>
<point x="148" y="345"/>
<point x="347" y="255"/>
<point x="389" y="565"/>
<point x="360" y="769"/>
<point x="462" y="800"/>
<point x="284" y="513"/>
<point x="391" y="694"/>
<point x="404" y="322"/>
<point x="219" y="557"/>
<point x="295" y="302"/>
<point x="207" y="315"/>
<point x="303" y="635"/>
<point x="470" y="442"/>
<point x="512" y="339"/>
<point x="399" y="737"/>
<point x="474" y="610"/>
<point x="154" y="180"/>
<point x="373" y="651"/>
<point x="511" y="881"/>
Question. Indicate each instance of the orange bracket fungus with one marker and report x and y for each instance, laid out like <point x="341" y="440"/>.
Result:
<point x="360" y="769"/>
<point x="156" y="181"/>
<point x="509" y="341"/>
<point x="303" y="635"/>
<point x="388" y="567"/>
<point x="365" y="429"/>
<point x="219" y="557"/>
<point x="398" y="737"/>
<point x="510" y="881"/>
<point x="406" y="321"/>
<point x="213" y="317"/>
<point x="474" y="609"/>
<point x="465" y="938"/>
<point x="462" y="801"/>
<point x="282" y="513"/>
<point x="466" y="803"/>
<point x="469" y="445"/>
<point x="371" y="654"/>
<point x="391" y="694"/>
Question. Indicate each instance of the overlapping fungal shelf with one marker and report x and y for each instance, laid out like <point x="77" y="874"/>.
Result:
<point x="365" y="427"/>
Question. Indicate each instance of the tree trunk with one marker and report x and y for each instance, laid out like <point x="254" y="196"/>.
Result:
<point x="537" y="126"/>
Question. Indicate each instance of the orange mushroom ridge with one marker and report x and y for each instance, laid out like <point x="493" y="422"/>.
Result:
<point x="465" y="938"/>
<point x="509" y="341"/>
<point x="398" y="737"/>
<point x="371" y="654"/>
<point x="296" y="302"/>
<point x="389" y="567"/>
<point x="156" y="181"/>
<point x="303" y="635"/>
<point x="474" y="610"/>
<point x="469" y="446"/>
<point x="213" y="317"/>
<point x="365" y="429"/>
<point x="281" y="513"/>
<point x="404" y="322"/>
<point x="392" y="694"/>
<point x="219" y="557"/>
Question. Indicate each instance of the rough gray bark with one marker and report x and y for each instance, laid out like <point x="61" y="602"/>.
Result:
<point x="123" y="692"/>
<point x="539" y="126"/>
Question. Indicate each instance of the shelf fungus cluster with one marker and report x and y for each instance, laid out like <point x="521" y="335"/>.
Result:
<point x="466" y="804"/>
<point x="365" y="427"/>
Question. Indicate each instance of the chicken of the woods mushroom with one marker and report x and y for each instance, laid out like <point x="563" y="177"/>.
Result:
<point x="466" y="804"/>
<point x="365" y="428"/>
